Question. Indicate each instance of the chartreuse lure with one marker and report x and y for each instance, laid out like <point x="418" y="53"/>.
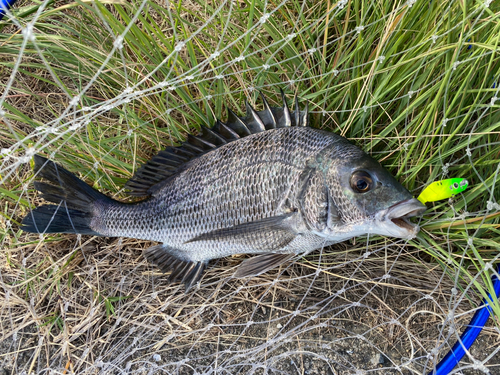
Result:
<point x="443" y="189"/>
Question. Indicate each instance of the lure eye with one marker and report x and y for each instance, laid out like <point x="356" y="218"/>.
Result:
<point x="361" y="182"/>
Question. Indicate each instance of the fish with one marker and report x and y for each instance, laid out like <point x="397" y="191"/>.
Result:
<point x="266" y="184"/>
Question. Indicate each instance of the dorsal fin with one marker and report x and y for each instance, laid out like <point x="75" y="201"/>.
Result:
<point x="167" y="162"/>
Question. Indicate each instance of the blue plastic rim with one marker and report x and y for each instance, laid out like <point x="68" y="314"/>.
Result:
<point x="4" y="5"/>
<point x="470" y="334"/>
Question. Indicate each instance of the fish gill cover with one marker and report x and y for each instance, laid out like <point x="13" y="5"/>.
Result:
<point x="102" y="87"/>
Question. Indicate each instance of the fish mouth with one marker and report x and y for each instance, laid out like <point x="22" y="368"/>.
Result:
<point x="395" y="219"/>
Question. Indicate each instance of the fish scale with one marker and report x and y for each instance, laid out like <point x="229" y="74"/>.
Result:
<point x="266" y="184"/>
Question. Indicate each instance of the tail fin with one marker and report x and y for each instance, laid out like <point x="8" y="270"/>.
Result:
<point x="75" y="202"/>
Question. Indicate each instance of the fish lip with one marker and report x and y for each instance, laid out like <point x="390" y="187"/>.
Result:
<point x="408" y="208"/>
<point x="395" y="218"/>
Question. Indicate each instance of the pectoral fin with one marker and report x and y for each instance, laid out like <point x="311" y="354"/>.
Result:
<point x="272" y="233"/>
<point x="260" y="264"/>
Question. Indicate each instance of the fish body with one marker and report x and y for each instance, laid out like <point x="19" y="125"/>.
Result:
<point x="264" y="184"/>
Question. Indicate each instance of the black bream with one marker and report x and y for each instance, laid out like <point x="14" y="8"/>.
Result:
<point x="264" y="184"/>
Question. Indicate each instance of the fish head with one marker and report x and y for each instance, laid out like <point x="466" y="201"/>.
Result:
<point x="368" y="199"/>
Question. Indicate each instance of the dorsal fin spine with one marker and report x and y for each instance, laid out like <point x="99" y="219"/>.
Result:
<point x="286" y="111"/>
<point x="237" y="124"/>
<point x="225" y="131"/>
<point x="296" y="111"/>
<point x="200" y="142"/>
<point x="216" y="138"/>
<point x="305" y="115"/>
<point x="269" y="112"/>
<point x="193" y="148"/>
<point x="257" y="124"/>
<point x="171" y="155"/>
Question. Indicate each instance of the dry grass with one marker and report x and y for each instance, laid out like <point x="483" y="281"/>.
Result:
<point x="96" y="302"/>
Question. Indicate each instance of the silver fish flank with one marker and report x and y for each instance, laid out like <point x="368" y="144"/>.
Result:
<point x="265" y="184"/>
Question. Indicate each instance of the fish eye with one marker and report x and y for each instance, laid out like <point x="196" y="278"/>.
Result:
<point x="361" y="182"/>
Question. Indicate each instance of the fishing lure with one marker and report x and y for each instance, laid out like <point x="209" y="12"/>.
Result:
<point x="443" y="189"/>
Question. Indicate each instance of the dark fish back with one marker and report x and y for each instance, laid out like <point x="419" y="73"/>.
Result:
<point x="169" y="161"/>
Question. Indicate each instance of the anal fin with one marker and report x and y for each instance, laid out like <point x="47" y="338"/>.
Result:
<point x="260" y="264"/>
<point x="186" y="272"/>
